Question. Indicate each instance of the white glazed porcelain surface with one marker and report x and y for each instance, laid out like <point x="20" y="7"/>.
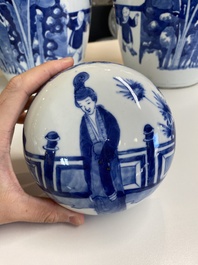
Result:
<point x="137" y="131"/>
<point x="160" y="39"/>
<point x="38" y="31"/>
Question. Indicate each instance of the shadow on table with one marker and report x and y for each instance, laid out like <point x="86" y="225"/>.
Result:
<point x="29" y="185"/>
<point x="26" y="180"/>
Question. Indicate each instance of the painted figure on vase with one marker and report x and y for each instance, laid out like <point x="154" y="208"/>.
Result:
<point x="167" y="30"/>
<point x="78" y="27"/>
<point x="126" y="24"/>
<point x="38" y="31"/>
<point x="99" y="139"/>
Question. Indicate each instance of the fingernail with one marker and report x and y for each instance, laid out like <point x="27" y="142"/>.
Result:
<point x="75" y="220"/>
<point x="67" y="59"/>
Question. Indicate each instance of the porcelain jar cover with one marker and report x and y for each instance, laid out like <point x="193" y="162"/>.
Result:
<point x="99" y="138"/>
<point x="159" y="39"/>
<point x="32" y="32"/>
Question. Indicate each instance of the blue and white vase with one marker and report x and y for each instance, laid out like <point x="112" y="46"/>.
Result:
<point x="36" y="31"/>
<point x="159" y="39"/>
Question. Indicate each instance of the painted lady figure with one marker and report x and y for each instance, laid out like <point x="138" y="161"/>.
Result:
<point x="99" y="139"/>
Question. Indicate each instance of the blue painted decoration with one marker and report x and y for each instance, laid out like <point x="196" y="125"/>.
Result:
<point x="168" y="29"/>
<point x="99" y="139"/>
<point x="104" y="178"/>
<point x="32" y="32"/>
<point x="136" y="92"/>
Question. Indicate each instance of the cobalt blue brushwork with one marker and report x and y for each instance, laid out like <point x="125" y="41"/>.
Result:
<point x="123" y="150"/>
<point x="158" y="38"/>
<point x="169" y="28"/>
<point x="35" y="31"/>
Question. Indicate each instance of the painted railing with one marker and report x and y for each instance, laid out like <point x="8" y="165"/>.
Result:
<point x="141" y="168"/>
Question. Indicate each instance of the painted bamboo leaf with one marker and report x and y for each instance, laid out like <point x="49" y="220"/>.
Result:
<point x="19" y="11"/>
<point x="135" y="92"/>
<point x="169" y="29"/>
<point x="191" y="12"/>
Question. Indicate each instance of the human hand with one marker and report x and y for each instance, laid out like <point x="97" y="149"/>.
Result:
<point x="15" y="204"/>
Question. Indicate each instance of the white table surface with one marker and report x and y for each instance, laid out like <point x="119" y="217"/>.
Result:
<point x="161" y="230"/>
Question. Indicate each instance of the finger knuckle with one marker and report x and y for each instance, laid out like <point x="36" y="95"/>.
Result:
<point x="50" y="218"/>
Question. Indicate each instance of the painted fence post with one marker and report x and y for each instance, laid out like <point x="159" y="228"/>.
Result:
<point x="150" y="152"/>
<point x="51" y="148"/>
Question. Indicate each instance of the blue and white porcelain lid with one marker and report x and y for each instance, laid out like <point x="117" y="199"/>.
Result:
<point x="99" y="138"/>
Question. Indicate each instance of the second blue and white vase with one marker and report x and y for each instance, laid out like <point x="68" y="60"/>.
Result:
<point x="159" y="39"/>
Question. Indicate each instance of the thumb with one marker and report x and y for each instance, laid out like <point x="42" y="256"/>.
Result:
<point x="46" y="211"/>
<point x="43" y="210"/>
<point x="50" y="212"/>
